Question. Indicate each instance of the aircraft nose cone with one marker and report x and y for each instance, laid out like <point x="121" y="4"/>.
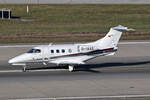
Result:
<point x="19" y="59"/>
<point x="16" y="59"/>
<point x="11" y="61"/>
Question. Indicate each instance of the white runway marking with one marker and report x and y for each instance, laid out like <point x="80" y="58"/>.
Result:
<point x="44" y="70"/>
<point x="18" y="46"/>
<point x="9" y="71"/>
<point x="134" y="42"/>
<point x="87" y="97"/>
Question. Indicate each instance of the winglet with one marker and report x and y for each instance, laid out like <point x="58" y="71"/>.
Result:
<point x="122" y="28"/>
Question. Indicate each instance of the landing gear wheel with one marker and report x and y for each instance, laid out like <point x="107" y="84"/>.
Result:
<point x="71" y="68"/>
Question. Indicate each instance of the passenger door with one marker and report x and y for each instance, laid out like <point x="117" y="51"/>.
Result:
<point x="45" y="55"/>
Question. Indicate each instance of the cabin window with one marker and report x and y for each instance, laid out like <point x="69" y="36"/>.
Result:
<point x="52" y="51"/>
<point x="57" y="51"/>
<point x="63" y="51"/>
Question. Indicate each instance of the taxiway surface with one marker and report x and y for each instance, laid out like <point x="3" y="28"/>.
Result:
<point x="126" y="73"/>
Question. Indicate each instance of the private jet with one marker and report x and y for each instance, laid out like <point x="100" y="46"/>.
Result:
<point x="71" y="54"/>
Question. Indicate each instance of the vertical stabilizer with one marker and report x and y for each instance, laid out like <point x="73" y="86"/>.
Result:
<point x="112" y="37"/>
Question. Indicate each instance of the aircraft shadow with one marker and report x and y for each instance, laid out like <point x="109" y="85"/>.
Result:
<point x="89" y="67"/>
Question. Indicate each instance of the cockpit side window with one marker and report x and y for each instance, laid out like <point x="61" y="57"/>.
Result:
<point x="34" y="51"/>
<point x="31" y="51"/>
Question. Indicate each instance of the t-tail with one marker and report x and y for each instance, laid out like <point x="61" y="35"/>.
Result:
<point x="112" y="37"/>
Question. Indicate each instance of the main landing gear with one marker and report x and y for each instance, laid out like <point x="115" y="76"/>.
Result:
<point x="71" y="68"/>
<point x="24" y="69"/>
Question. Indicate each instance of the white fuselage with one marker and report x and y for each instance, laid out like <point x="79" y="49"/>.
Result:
<point x="61" y="54"/>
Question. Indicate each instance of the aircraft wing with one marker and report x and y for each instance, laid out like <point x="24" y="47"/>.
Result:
<point x="69" y="60"/>
<point x="66" y="62"/>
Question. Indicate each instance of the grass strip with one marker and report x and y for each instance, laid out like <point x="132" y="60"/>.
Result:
<point x="64" y="19"/>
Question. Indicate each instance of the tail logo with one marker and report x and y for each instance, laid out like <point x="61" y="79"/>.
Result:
<point x="110" y="35"/>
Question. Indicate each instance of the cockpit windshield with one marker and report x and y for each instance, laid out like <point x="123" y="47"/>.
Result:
<point x="34" y="51"/>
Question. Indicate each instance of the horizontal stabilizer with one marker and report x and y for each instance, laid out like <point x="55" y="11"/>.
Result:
<point x="122" y="28"/>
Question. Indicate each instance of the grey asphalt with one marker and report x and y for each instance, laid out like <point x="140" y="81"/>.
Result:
<point x="75" y="1"/>
<point x="126" y="73"/>
<point x="65" y="84"/>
